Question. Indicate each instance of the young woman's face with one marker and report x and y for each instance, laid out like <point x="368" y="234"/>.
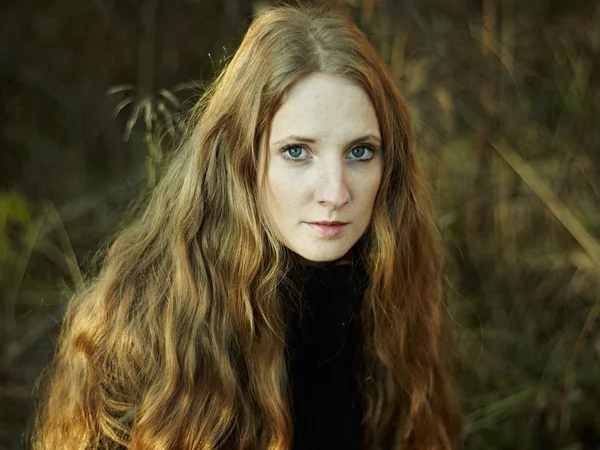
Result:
<point x="324" y="167"/>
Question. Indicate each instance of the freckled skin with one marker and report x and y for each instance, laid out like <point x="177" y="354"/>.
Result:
<point x="324" y="164"/>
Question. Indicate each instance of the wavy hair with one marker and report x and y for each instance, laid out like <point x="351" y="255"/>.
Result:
<point x="179" y="342"/>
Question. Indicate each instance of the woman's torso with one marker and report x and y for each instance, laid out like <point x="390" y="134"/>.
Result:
<point x="323" y="358"/>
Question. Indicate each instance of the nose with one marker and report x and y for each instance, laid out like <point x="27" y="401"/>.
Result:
<point x="332" y="187"/>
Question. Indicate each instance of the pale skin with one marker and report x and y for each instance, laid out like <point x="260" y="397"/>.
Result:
<point x="324" y="167"/>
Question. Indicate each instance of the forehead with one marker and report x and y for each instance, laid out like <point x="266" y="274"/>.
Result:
<point x="324" y="106"/>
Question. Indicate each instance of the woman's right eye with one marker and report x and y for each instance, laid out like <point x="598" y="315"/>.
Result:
<point x="294" y="152"/>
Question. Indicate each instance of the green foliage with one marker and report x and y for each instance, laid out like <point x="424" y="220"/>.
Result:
<point x="161" y="118"/>
<point x="14" y="209"/>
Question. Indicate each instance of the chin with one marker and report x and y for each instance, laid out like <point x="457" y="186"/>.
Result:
<point x="323" y="257"/>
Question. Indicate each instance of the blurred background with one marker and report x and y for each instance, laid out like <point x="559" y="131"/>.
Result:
<point x="505" y="98"/>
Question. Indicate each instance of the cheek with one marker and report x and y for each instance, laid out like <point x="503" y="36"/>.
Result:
<point x="371" y="188"/>
<point x="280" y="195"/>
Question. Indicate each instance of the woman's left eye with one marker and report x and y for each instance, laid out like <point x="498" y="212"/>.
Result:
<point x="362" y="152"/>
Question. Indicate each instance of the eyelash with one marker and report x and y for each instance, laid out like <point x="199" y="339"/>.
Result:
<point x="288" y="147"/>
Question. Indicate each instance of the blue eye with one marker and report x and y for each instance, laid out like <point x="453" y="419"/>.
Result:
<point x="293" y="152"/>
<point x="362" y="152"/>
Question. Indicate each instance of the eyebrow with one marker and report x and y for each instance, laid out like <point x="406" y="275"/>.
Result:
<point x="302" y="139"/>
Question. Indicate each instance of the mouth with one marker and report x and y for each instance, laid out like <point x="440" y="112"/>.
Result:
<point x="328" y="230"/>
<point x="329" y="224"/>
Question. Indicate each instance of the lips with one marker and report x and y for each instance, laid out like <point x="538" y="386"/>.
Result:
<point x="327" y="229"/>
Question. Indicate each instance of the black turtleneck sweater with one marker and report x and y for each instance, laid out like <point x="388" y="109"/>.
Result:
<point x="323" y="359"/>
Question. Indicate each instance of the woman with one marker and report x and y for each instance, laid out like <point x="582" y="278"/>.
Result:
<point x="282" y="288"/>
